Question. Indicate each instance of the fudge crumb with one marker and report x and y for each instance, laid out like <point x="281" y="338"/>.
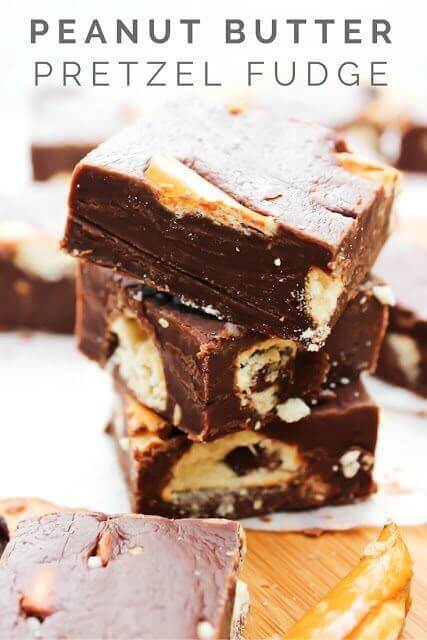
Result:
<point x="205" y="630"/>
<point x="384" y="294"/>
<point x="313" y="533"/>
<point x="292" y="410"/>
<point x="177" y="415"/>
<point x="265" y="518"/>
<point x="94" y="562"/>
<point x="349" y="463"/>
<point x="136" y="551"/>
<point x="34" y="626"/>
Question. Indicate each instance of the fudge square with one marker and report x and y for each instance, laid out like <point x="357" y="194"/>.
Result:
<point x="37" y="279"/>
<point x="403" y="356"/>
<point x="327" y="458"/>
<point x="266" y="222"/>
<point x="209" y="377"/>
<point x="87" y="575"/>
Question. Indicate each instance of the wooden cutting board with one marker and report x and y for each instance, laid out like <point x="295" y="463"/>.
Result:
<point x="289" y="572"/>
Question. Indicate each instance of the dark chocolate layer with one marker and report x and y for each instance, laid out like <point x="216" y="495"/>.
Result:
<point x="413" y="148"/>
<point x="328" y="213"/>
<point x="218" y="377"/>
<point x="50" y="161"/>
<point x="326" y="458"/>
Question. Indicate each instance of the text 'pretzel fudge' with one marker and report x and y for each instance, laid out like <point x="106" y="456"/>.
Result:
<point x="209" y="377"/>
<point x="326" y="458"/>
<point x="403" y="356"/>
<point x="87" y="575"/>
<point x="37" y="279"/>
<point x="266" y="222"/>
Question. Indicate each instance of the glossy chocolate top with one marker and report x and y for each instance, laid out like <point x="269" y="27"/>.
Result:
<point x="292" y="172"/>
<point x="94" y="576"/>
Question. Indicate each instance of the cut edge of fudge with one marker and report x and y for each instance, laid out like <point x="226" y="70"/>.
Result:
<point x="327" y="458"/>
<point x="194" y="369"/>
<point x="188" y="190"/>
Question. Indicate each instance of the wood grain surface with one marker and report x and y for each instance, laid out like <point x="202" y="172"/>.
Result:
<point x="289" y="572"/>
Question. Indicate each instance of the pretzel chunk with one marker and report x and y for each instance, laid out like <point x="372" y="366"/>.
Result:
<point x="371" y="602"/>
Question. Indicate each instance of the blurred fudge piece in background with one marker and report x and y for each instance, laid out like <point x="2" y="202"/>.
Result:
<point x="68" y="123"/>
<point x="37" y="280"/>
<point x="403" y="357"/>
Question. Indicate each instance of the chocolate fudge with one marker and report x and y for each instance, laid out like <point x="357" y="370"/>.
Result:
<point x="209" y="377"/>
<point x="412" y="130"/>
<point x="266" y="222"/>
<point x="326" y="458"/>
<point x="4" y="535"/>
<point x="401" y="119"/>
<point x="403" y="357"/>
<point x="37" y="279"/>
<point x="404" y="139"/>
<point x="67" y="124"/>
<point x="76" y="575"/>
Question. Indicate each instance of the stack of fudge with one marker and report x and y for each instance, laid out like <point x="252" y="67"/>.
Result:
<point x="224" y="281"/>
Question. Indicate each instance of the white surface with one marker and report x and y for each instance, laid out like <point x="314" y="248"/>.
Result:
<point x="55" y="405"/>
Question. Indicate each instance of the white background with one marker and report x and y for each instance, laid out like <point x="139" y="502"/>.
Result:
<point x="55" y="404"/>
<point x="406" y="56"/>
